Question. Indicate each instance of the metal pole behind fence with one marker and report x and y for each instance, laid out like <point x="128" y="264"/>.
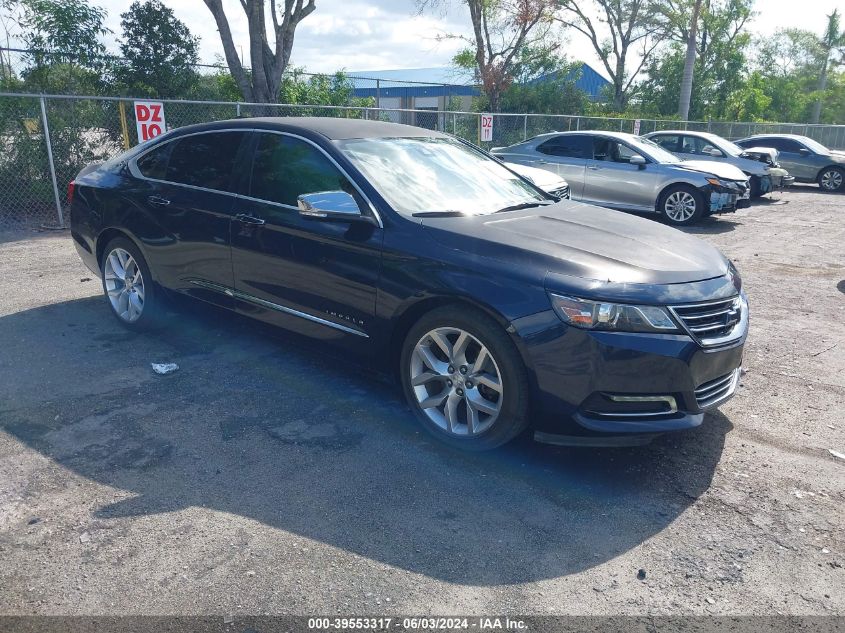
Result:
<point x="525" y="128"/>
<point x="46" y="129"/>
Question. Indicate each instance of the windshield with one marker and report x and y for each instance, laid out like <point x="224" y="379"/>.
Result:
<point x="652" y="150"/>
<point x="437" y="175"/>
<point x="728" y="147"/>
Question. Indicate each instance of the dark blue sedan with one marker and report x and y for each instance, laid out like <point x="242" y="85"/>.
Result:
<point x="496" y="306"/>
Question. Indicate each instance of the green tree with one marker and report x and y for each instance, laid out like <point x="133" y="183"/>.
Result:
<point x="623" y="33"/>
<point x="159" y="52"/>
<point x="832" y="40"/>
<point x="262" y="82"/>
<point x="503" y="32"/>
<point x="64" y="31"/>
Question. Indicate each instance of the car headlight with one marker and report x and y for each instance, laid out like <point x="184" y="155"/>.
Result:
<point x="619" y="317"/>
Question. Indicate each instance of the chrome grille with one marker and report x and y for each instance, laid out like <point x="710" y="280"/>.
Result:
<point x="714" y="322"/>
<point x="718" y="390"/>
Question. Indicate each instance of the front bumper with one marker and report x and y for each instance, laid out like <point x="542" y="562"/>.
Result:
<point x="617" y="383"/>
<point x="727" y="199"/>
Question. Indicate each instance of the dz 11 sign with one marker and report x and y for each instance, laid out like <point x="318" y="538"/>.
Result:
<point x="486" y="127"/>
<point x="149" y="117"/>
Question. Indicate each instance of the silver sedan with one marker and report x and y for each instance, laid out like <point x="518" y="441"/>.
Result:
<point x="689" y="145"/>
<point x="628" y="172"/>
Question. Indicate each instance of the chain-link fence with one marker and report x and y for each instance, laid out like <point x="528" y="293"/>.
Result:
<point x="47" y="140"/>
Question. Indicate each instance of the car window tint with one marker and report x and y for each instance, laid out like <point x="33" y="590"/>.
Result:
<point x="205" y="160"/>
<point x="153" y="164"/>
<point x="285" y="167"/>
<point x="568" y="146"/>
<point x="697" y="145"/>
<point x="668" y="142"/>
<point x="788" y="145"/>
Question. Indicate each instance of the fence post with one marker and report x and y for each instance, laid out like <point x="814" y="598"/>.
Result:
<point x="378" y="94"/>
<point x="46" y="129"/>
<point x="238" y="110"/>
<point x="525" y="128"/>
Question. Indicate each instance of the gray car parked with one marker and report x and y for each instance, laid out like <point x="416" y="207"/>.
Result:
<point x="623" y="171"/>
<point x="690" y="145"/>
<point x="806" y="159"/>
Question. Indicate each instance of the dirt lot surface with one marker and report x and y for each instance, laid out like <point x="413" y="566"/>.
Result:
<point x="267" y="477"/>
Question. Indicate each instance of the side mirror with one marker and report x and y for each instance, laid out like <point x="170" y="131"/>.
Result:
<point x="637" y="160"/>
<point x="715" y="153"/>
<point x="804" y="151"/>
<point x="329" y="205"/>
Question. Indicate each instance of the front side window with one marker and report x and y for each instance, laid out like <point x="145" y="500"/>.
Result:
<point x="606" y="149"/>
<point x="285" y="167"/>
<point x="204" y="160"/>
<point x="437" y="174"/>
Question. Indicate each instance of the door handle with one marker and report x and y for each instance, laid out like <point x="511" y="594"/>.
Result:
<point x="593" y="168"/>
<point x="158" y="201"/>
<point x="249" y="219"/>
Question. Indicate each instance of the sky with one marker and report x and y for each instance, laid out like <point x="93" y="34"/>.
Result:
<point x="388" y="34"/>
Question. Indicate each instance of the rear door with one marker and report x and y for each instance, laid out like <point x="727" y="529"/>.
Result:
<point x="567" y="156"/>
<point x="613" y="181"/>
<point x="189" y="199"/>
<point x="317" y="277"/>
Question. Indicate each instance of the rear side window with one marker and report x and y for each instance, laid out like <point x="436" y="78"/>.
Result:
<point x="285" y="168"/>
<point x="204" y="160"/>
<point x="669" y="142"/>
<point x="568" y="146"/>
<point x="153" y="164"/>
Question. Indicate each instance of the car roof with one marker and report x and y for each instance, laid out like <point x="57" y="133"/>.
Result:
<point x="622" y="136"/>
<point x="329" y="127"/>
<point x="796" y="137"/>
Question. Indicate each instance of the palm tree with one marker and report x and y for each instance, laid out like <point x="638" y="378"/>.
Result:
<point x="689" y="62"/>
<point x="833" y="39"/>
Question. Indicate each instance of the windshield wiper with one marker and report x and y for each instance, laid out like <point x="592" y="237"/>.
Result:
<point x="525" y="205"/>
<point x="438" y="214"/>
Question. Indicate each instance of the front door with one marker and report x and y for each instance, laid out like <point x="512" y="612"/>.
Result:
<point x="792" y="160"/>
<point x="612" y="181"/>
<point x="314" y="276"/>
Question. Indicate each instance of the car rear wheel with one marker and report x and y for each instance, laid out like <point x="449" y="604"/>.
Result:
<point x="128" y="285"/>
<point x="681" y="205"/>
<point x="464" y="379"/>
<point x="832" y="179"/>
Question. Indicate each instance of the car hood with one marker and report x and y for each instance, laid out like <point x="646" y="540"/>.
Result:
<point x="582" y="241"/>
<point x="720" y="170"/>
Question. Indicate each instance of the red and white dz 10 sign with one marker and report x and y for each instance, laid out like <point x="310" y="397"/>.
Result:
<point x="149" y="117"/>
<point x="486" y="127"/>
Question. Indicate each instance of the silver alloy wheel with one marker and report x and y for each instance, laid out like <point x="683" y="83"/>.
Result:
<point x="456" y="381"/>
<point x="831" y="180"/>
<point x="680" y="206"/>
<point x="124" y="285"/>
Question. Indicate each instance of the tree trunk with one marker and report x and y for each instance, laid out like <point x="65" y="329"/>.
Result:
<point x="817" y="106"/>
<point x="689" y="63"/>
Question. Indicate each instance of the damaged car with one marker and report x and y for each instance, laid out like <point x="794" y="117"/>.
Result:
<point x="631" y="173"/>
<point x="764" y="174"/>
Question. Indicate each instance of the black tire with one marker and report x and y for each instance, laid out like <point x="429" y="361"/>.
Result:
<point x="152" y="310"/>
<point x="756" y="191"/>
<point x="512" y="417"/>
<point x="667" y="196"/>
<point x="832" y="179"/>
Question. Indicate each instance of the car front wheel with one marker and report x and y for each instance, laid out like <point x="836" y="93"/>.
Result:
<point x="681" y="205"/>
<point x="464" y="379"/>
<point x="832" y="179"/>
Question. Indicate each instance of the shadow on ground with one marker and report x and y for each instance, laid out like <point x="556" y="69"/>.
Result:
<point x="266" y="427"/>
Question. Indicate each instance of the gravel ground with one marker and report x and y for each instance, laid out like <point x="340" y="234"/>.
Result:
<point x="266" y="476"/>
